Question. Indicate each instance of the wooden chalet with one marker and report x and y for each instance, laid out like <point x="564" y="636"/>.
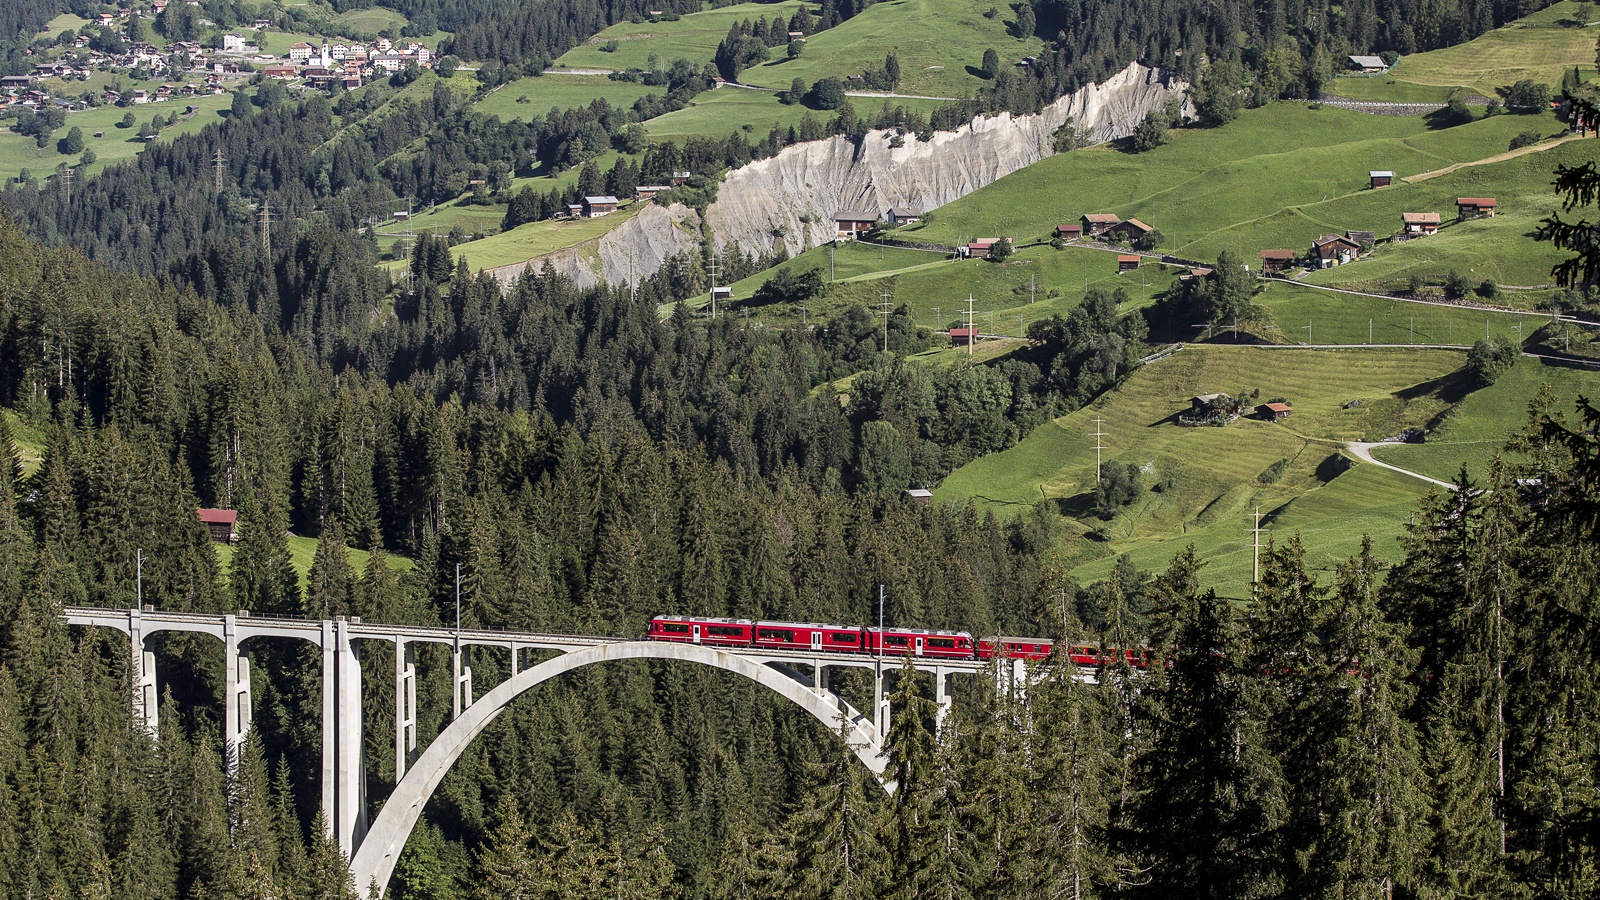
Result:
<point x="722" y="293"/>
<point x="961" y="337"/>
<point x="904" y="215"/>
<point x="1416" y="224"/>
<point x="1209" y="409"/>
<point x="278" y="71"/>
<point x="979" y="249"/>
<point x="1127" y="262"/>
<point x="1334" y="250"/>
<point x="679" y="178"/>
<point x="1378" y="179"/>
<point x="220" y="524"/>
<point x="852" y="222"/>
<point x="1272" y="412"/>
<point x="599" y="205"/>
<point x="920" y="495"/>
<point x="1129" y="230"/>
<point x="1276" y="260"/>
<point x="1475" y="207"/>
<point x="1366" y="64"/>
<point x="1069" y="232"/>
<point x="1195" y="273"/>
<point x="1099" y="223"/>
<point x="648" y="191"/>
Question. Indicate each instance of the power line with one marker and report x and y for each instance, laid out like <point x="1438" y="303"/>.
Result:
<point x="66" y="185"/>
<point x="218" y="160"/>
<point x="266" y="227"/>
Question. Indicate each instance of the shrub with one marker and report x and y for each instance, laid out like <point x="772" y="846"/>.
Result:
<point x="1525" y="139"/>
<point x="1456" y="286"/>
<point x="1488" y="360"/>
<point x="1273" y="473"/>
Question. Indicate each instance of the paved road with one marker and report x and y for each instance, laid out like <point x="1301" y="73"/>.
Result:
<point x="1363" y="452"/>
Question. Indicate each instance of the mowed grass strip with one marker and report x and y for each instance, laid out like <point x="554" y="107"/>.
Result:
<point x="303" y="550"/>
<point x="1336" y="318"/>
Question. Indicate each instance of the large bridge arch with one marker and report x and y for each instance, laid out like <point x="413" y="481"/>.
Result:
<point x="375" y="858"/>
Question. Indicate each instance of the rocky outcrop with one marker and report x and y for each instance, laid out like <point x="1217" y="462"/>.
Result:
<point x="792" y="197"/>
<point x="635" y="249"/>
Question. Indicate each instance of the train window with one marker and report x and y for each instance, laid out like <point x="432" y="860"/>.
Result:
<point x="844" y="638"/>
<point x="674" y="628"/>
<point x="941" y="643"/>
<point x="896" y="640"/>
<point x="726" y="630"/>
<point x="777" y="634"/>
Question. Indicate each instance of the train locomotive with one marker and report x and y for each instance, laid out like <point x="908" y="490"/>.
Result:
<point x="820" y="638"/>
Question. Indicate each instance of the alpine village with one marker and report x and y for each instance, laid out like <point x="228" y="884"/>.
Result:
<point x="841" y="450"/>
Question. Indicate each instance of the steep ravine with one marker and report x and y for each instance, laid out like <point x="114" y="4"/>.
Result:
<point x="792" y="197"/>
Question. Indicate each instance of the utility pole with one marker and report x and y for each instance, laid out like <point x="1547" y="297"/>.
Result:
<point x="1255" y="569"/>
<point x="936" y="322"/>
<point x="266" y="228"/>
<point x="138" y="578"/>
<point x="66" y="185"/>
<point x="1032" y="285"/>
<point x="1413" y="338"/>
<point x="218" y="161"/>
<point x="1369" y="330"/>
<point x="715" y="269"/>
<point x="971" y="327"/>
<point x="830" y="261"/>
<point x="888" y="307"/>
<point x="1308" y="332"/>
<point x="1099" y="445"/>
<point x="1020" y="332"/>
<point x="877" y="716"/>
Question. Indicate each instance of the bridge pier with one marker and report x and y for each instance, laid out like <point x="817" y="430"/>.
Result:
<point x="143" y="669"/>
<point x="942" y="696"/>
<point x="405" y="705"/>
<point x="237" y="711"/>
<point x="461" y="667"/>
<point x="344" y="782"/>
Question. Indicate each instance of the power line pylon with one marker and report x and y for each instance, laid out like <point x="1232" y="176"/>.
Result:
<point x="1099" y="445"/>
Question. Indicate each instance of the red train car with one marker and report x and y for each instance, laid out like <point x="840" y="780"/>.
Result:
<point x="1014" y="648"/>
<point x="912" y="642"/>
<point x="807" y="636"/>
<point x="696" y="630"/>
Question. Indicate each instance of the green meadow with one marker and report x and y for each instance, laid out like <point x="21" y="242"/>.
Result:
<point x="18" y="152"/>
<point x="302" y="550"/>
<point x="1208" y="481"/>
<point x="1475" y="430"/>
<point x="693" y="37"/>
<point x="525" y="98"/>
<point x="1537" y="47"/>
<point x="535" y="239"/>
<point x="935" y="59"/>
<point x="1266" y="180"/>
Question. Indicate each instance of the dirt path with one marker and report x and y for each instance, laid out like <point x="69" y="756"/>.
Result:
<point x="1499" y="157"/>
<point x="1363" y="452"/>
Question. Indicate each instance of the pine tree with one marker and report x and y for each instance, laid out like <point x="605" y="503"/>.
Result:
<point x="331" y="583"/>
<point x="836" y="853"/>
<point x="910" y="835"/>
<point x="1209" y="801"/>
<point x="506" y="864"/>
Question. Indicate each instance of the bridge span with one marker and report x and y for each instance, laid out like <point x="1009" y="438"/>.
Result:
<point x="372" y="848"/>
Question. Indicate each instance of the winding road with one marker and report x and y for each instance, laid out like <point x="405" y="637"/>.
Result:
<point x="1363" y="452"/>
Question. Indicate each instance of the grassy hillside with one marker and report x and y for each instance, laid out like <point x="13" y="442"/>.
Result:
<point x="693" y="37"/>
<point x="939" y="43"/>
<point x="538" y="238"/>
<point x="302" y="550"/>
<point x="1210" y="478"/>
<point x="528" y="97"/>
<point x="18" y="152"/>
<point x="1474" y="431"/>
<point x="1539" y="47"/>
<point x="1277" y="177"/>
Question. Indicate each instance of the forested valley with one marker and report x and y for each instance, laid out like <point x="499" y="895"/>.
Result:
<point x="1424" y="731"/>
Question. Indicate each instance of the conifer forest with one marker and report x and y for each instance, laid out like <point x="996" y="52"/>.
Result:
<point x="577" y="459"/>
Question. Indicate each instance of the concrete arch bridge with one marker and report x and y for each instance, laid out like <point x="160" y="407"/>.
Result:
<point x="374" y="847"/>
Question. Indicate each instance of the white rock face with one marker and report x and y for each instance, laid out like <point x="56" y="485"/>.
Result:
<point x="635" y="249"/>
<point x="764" y="202"/>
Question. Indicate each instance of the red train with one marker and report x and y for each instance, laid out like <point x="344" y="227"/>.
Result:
<point x="815" y="637"/>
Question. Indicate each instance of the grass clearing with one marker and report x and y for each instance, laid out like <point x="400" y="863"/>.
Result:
<point x="525" y="98"/>
<point x="18" y="152"/>
<point x="302" y="550"/>
<point x="63" y="22"/>
<point x="535" y="239"/>
<point x="1352" y="319"/>
<point x="693" y="37"/>
<point x="940" y="61"/>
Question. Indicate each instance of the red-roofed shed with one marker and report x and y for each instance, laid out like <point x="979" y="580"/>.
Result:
<point x="220" y="523"/>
